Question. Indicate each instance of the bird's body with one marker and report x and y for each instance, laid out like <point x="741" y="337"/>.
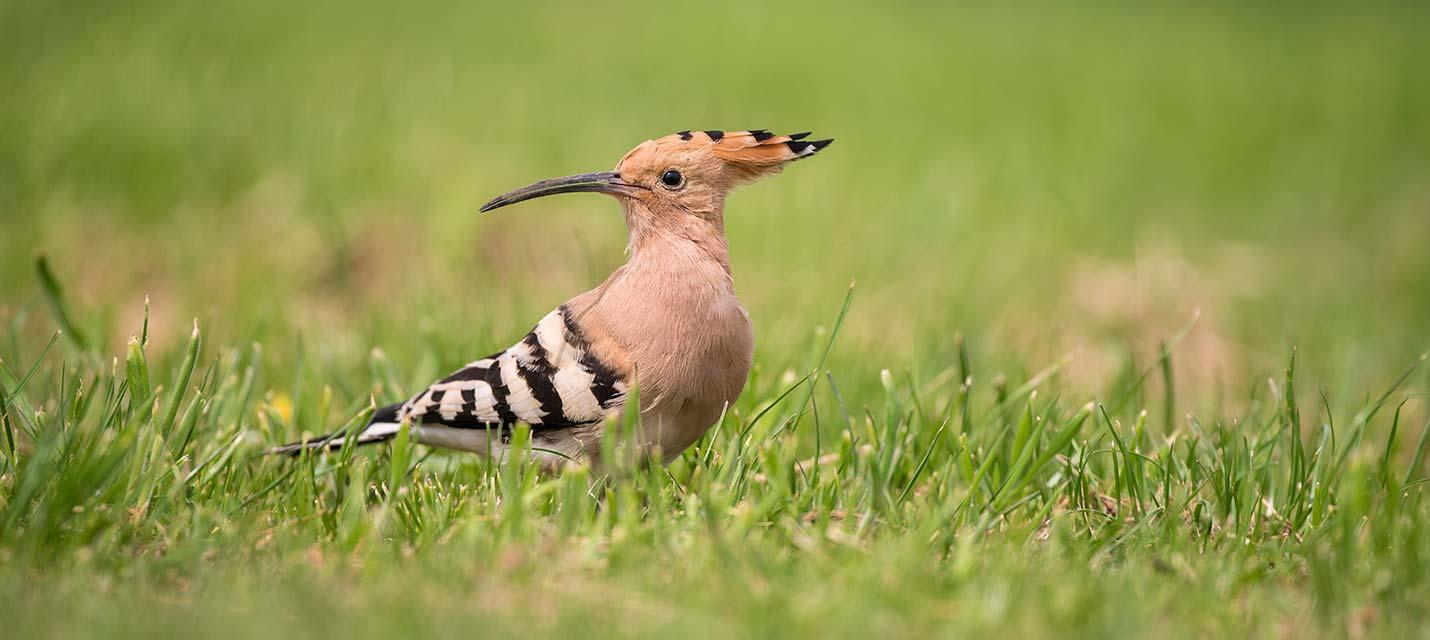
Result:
<point x="667" y="323"/>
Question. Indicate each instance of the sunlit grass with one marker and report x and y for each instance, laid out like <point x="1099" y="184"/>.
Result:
<point x="944" y="507"/>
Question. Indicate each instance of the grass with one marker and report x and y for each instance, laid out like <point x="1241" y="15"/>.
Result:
<point x="950" y="509"/>
<point x="1185" y="246"/>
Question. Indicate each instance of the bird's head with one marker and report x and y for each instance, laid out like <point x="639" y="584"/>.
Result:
<point x="680" y="175"/>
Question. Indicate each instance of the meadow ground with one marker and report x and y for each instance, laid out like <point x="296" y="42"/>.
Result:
<point x="1135" y="346"/>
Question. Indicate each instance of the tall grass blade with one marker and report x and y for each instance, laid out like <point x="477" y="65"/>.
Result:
<point x="54" y="295"/>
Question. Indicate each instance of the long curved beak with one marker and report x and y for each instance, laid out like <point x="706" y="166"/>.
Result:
<point x="596" y="181"/>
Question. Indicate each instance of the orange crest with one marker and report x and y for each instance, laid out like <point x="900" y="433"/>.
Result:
<point x="751" y="153"/>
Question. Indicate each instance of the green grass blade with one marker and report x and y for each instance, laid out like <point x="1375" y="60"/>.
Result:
<point x="54" y="295"/>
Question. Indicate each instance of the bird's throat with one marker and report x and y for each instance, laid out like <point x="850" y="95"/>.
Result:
<point x="677" y="238"/>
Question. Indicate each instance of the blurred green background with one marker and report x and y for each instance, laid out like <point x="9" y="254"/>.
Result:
<point x="1042" y="176"/>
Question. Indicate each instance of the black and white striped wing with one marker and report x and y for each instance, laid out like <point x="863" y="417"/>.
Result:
<point x="549" y="380"/>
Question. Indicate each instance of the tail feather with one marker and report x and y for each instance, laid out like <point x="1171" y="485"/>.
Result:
<point x="382" y="427"/>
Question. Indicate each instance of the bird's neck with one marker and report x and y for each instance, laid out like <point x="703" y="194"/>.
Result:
<point x="678" y="239"/>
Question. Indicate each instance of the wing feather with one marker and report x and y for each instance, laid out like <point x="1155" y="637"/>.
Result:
<point x="549" y="380"/>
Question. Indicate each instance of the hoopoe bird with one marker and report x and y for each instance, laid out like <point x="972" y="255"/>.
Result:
<point x="666" y="323"/>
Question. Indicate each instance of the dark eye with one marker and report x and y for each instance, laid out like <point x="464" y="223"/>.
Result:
<point x="672" y="178"/>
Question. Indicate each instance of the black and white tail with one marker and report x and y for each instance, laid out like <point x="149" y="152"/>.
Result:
<point x="383" y="427"/>
<point x="551" y="380"/>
